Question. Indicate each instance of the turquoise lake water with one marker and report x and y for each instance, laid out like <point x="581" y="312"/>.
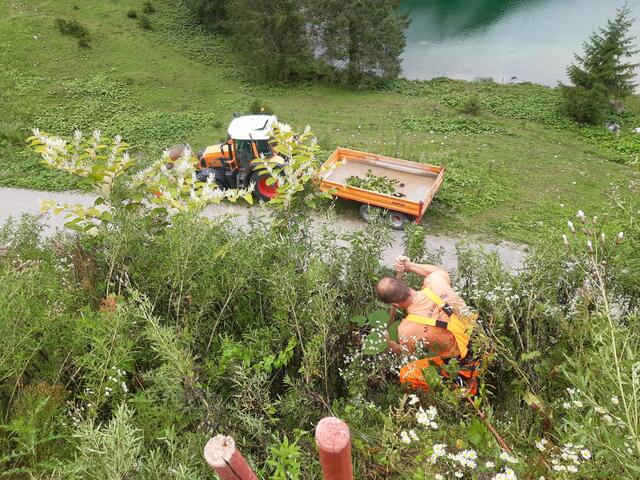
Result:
<point x="508" y="40"/>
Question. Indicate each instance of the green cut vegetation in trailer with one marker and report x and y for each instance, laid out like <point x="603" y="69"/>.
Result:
<point x="376" y="183"/>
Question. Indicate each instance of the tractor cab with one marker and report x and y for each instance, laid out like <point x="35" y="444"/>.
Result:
<point x="231" y="162"/>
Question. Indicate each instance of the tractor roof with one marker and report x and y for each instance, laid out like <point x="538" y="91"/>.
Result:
<point x="256" y="127"/>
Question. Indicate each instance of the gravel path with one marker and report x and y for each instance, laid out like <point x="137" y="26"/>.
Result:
<point x="16" y="201"/>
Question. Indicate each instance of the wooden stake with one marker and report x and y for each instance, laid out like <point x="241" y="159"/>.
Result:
<point x="222" y="456"/>
<point x="334" y="442"/>
<point x="494" y="432"/>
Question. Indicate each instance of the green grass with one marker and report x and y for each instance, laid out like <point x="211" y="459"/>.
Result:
<point x="511" y="168"/>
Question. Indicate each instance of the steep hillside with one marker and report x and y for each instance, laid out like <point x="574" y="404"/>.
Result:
<point x="514" y="169"/>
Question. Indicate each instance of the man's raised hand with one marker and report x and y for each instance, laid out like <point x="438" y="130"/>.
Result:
<point x="401" y="263"/>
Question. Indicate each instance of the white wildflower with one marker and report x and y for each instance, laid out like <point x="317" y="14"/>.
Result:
<point x="489" y="464"/>
<point x="572" y="469"/>
<point x="586" y="454"/>
<point x="615" y="400"/>
<point x="508" y="458"/>
<point x="404" y="437"/>
<point x="565" y="240"/>
<point x="458" y="474"/>
<point x="581" y="216"/>
<point x="571" y="227"/>
<point x="566" y="405"/>
<point x="438" y="476"/>
<point x="439" y="450"/>
<point x="578" y="403"/>
<point x="413" y="399"/>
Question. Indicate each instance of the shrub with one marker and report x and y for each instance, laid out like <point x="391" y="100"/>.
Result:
<point x="257" y="106"/>
<point x="585" y="105"/>
<point x="470" y="106"/>
<point x="147" y="7"/>
<point x="132" y="13"/>
<point x="71" y="27"/>
<point x="144" y="22"/>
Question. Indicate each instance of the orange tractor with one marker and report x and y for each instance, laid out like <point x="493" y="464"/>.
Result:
<point x="231" y="163"/>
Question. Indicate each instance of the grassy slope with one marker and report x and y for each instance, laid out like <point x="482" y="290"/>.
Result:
<point x="175" y="83"/>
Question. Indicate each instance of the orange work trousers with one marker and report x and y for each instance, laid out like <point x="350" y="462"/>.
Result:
<point x="412" y="376"/>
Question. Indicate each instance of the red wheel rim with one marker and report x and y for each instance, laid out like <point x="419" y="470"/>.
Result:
<point x="266" y="190"/>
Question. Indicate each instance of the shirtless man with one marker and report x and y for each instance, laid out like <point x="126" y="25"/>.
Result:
<point x="433" y="321"/>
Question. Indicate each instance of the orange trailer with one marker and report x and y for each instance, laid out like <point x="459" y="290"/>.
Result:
<point x="418" y="183"/>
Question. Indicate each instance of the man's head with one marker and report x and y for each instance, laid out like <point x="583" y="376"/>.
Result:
<point x="395" y="292"/>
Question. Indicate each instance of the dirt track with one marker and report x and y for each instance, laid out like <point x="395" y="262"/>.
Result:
<point x="16" y="201"/>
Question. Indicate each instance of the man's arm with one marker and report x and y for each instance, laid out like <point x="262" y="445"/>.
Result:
<point x="406" y="342"/>
<point x="403" y="264"/>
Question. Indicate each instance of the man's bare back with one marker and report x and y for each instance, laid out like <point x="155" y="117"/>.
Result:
<point x="437" y="341"/>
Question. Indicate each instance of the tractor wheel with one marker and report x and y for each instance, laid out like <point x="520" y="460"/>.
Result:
<point x="263" y="191"/>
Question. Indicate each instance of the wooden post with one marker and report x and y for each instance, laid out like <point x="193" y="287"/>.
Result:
<point x="222" y="456"/>
<point x="334" y="442"/>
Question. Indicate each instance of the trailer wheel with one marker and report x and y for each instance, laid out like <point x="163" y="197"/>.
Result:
<point x="398" y="220"/>
<point x="369" y="213"/>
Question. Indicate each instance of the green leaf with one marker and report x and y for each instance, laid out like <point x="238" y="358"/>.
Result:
<point x="476" y="432"/>
<point x="374" y="344"/>
<point x="533" y="400"/>
<point x="378" y="318"/>
<point x="530" y="355"/>
<point x="360" y="320"/>
<point x="248" y="198"/>
<point x="98" y="201"/>
<point x="271" y="180"/>
<point x="106" y="217"/>
<point x="393" y="331"/>
<point x="73" y="225"/>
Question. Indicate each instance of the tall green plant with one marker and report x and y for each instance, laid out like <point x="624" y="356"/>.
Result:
<point x="296" y="170"/>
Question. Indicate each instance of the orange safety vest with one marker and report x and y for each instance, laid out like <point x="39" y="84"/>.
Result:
<point x="459" y="325"/>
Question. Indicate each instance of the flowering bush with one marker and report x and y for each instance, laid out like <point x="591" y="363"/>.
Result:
<point x="295" y="169"/>
<point x="168" y="187"/>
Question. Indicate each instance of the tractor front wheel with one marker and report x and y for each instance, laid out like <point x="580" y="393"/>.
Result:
<point x="262" y="190"/>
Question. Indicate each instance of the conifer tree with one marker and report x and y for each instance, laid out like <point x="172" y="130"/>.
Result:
<point x="605" y="58"/>
<point x="272" y="38"/>
<point x="363" y="38"/>
<point x="211" y="12"/>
